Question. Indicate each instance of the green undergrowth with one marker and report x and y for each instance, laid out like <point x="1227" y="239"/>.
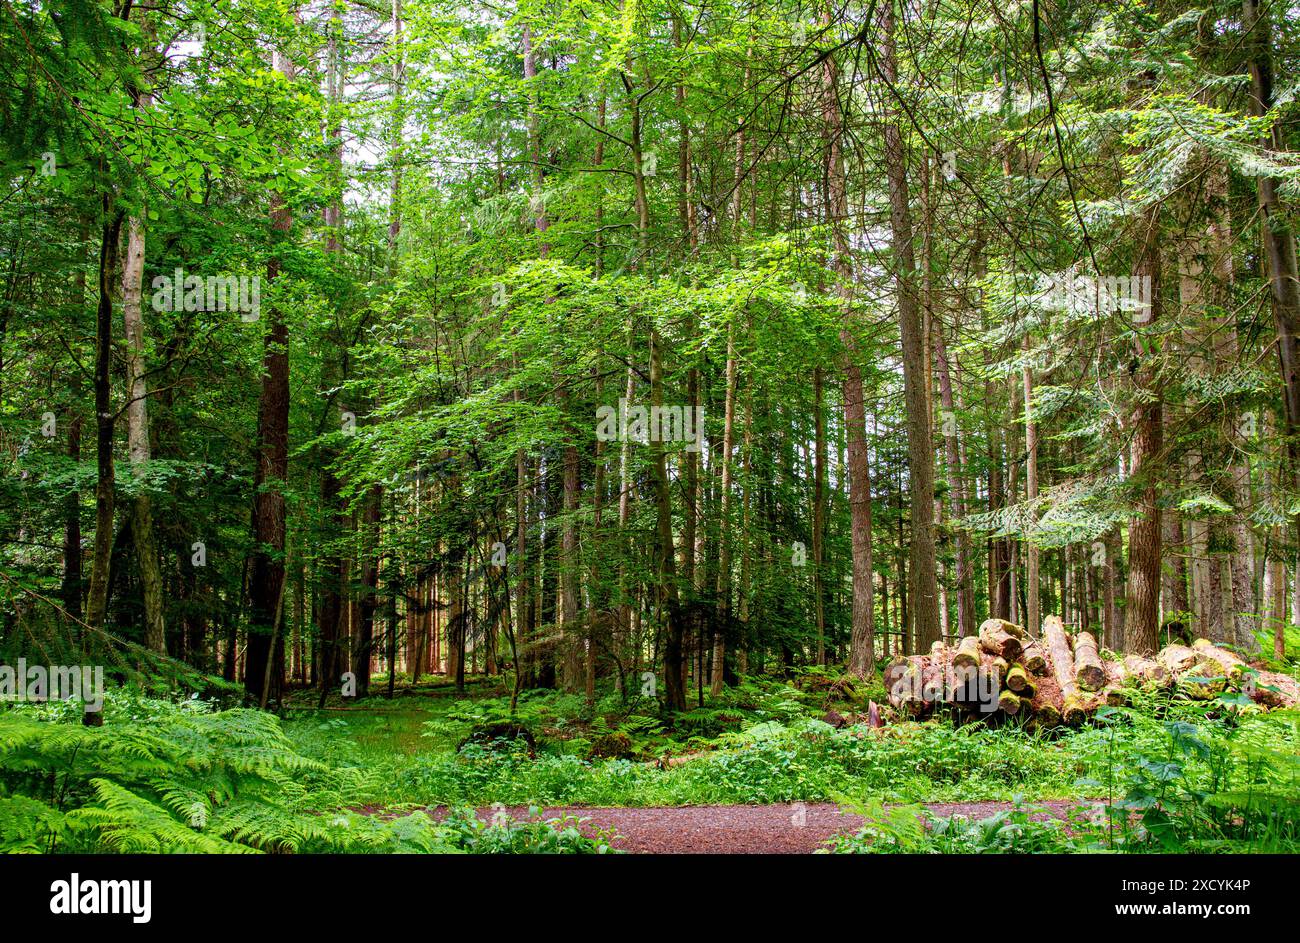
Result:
<point x="1224" y="785"/>
<point x="164" y="775"/>
<point x="763" y="743"/>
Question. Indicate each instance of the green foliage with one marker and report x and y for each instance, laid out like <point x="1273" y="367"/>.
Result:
<point x="511" y="836"/>
<point x="160" y="777"/>
<point x="1216" y="786"/>
<point x="1022" y="829"/>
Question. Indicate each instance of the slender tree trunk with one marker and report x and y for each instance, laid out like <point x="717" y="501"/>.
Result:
<point x="397" y="79"/>
<point x="953" y="453"/>
<point x="819" y="511"/>
<point x="747" y="448"/>
<point x="674" y="691"/>
<point x="70" y="593"/>
<point x="1033" y="615"/>
<point x="724" y="520"/>
<point x="105" y="485"/>
<point x="137" y="423"/>
<point x="920" y="447"/>
<point x="137" y="415"/>
<point x="862" y="640"/>
<point x="370" y="538"/>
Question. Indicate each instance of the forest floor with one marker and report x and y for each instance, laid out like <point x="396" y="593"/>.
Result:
<point x="788" y="828"/>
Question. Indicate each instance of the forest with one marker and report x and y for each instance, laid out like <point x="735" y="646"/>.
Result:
<point x="616" y="426"/>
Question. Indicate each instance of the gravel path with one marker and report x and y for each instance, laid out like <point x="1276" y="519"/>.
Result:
<point x="797" y="828"/>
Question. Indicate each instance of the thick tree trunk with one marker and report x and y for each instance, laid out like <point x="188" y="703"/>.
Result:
<point x="1276" y="233"/>
<point x="1058" y="648"/>
<point x="266" y="575"/>
<point x="1142" y="596"/>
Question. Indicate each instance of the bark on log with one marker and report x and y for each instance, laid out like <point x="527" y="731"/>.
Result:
<point x="1145" y="670"/>
<point x="905" y="678"/>
<point x="1009" y="627"/>
<point x="1088" y="670"/>
<point x="1001" y="666"/>
<point x="996" y="640"/>
<point x="1204" y="680"/>
<point x="966" y="689"/>
<point x="1231" y="664"/>
<point x="1287" y="689"/>
<point x="1058" y="646"/>
<point x="1033" y="659"/>
<point x="1177" y="659"/>
<point x="965" y="676"/>
<point x="1046" y="714"/>
<point x="968" y="653"/>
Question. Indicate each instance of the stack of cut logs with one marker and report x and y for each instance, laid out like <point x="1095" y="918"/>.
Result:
<point x="1062" y="678"/>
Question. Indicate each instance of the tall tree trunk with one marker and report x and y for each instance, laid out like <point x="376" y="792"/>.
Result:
<point x="747" y="448"/>
<point x="1142" y="595"/>
<point x="137" y="415"/>
<point x="953" y="452"/>
<point x="674" y="690"/>
<point x="1033" y="617"/>
<point x="137" y="424"/>
<point x="397" y="78"/>
<point x="71" y="590"/>
<point x="105" y="483"/>
<point x="370" y="540"/>
<point x="862" y="639"/>
<point x="70" y="593"/>
<point x="1276" y="233"/>
<point x="819" y="511"/>
<point x="1112" y="624"/>
<point x="266" y="575"/>
<point x="724" y="512"/>
<point x="920" y="447"/>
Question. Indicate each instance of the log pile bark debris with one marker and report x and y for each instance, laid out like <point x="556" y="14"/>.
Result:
<point x="1064" y="678"/>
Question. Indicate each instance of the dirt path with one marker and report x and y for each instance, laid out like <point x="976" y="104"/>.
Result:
<point x="797" y="828"/>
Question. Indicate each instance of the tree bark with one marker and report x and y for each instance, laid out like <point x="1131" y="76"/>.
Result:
<point x="920" y="447"/>
<point x="105" y="483"/>
<point x="724" y="529"/>
<point x="1276" y="233"/>
<point x="1142" y="596"/>
<point x="953" y="452"/>
<point x="266" y="575"/>
<point x="137" y="424"/>
<point x="862" y="639"/>
<point x="1032" y="612"/>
